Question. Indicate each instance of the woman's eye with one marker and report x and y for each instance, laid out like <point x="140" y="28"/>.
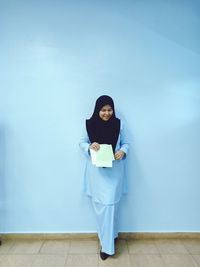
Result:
<point x="104" y="110"/>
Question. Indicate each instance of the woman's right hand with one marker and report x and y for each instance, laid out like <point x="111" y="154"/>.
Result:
<point x="95" y="146"/>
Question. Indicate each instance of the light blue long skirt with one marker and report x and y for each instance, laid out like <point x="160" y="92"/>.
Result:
<point x="107" y="225"/>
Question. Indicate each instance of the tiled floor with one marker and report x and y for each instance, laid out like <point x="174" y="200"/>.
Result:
<point x="82" y="253"/>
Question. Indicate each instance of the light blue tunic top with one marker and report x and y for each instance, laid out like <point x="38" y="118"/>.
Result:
<point x="105" y="185"/>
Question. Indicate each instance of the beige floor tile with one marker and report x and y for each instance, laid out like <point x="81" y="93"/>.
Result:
<point x="83" y="247"/>
<point x="49" y="261"/>
<point x="179" y="260"/>
<point x="55" y="247"/>
<point x="121" y="247"/>
<point x="2" y="259"/>
<point x="142" y="247"/>
<point x="196" y="258"/>
<point x="86" y="260"/>
<point x="16" y="260"/>
<point x="170" y="246"/>
<point x="192" y="245"/>
<point x="122" y="260"/>
<point x="146" y="260"/>
<point x="26" y="247"/>
<point x="6" y="246"/>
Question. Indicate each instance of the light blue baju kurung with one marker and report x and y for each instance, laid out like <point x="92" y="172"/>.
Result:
<point x="106" y="186"/>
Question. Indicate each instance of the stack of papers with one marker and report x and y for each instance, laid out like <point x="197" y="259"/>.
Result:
<point x="103" y="157"/>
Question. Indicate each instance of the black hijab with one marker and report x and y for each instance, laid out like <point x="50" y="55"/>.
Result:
<point x="100" y="131"/>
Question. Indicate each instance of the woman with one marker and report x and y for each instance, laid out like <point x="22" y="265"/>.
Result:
<point x="105" y="186"/>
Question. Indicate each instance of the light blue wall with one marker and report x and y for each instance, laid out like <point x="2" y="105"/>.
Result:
<point x="56" y="58"/>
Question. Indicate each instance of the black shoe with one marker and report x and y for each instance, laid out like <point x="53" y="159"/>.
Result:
<point x="104" y="255"/>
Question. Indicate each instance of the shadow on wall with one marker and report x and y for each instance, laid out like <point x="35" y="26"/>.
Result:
<point x="134" y="176"/>
<point x="130" y="205"/>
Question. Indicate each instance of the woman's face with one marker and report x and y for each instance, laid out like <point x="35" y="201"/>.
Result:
<point x="106" y="112"/>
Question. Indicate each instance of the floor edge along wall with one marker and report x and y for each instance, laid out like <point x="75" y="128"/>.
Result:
<point x="93" y="236"/>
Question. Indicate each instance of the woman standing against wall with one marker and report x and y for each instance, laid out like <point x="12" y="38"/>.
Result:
<point x="105" y="186"/>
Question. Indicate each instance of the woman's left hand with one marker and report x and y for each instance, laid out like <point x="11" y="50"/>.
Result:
<point x="119" y="155"/>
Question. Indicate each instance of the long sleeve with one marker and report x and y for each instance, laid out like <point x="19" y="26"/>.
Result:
<point x="84" y="143"/>
<point x="124" y="145"/>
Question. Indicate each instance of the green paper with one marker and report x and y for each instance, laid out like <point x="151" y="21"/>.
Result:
<point x="105" y="153"/>
<point x="103" y="157"/>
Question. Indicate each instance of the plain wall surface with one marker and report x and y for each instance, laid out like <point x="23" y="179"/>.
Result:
<point x="56" y="58"/>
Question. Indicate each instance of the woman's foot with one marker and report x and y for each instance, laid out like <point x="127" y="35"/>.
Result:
<point x="104" y="255"/>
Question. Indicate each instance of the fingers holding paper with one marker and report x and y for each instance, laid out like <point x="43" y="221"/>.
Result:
<point x="119" y="155"/>
<point x="95" y="146"/>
